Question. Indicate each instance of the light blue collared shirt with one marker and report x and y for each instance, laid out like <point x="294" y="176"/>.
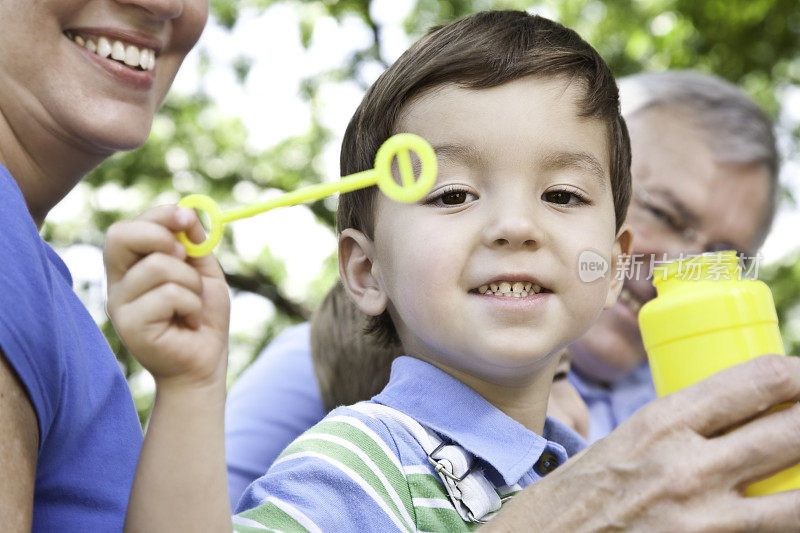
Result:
<point x="439" y="401"/>
<point x="609" y="406"/>
<point x="319" y="481"/>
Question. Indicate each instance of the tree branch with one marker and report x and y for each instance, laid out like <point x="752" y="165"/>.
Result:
<point x="258" y="283"/>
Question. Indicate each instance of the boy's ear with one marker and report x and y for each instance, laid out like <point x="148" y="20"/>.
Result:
<point x="623" y="247"/>
<point x="359" y="274"/>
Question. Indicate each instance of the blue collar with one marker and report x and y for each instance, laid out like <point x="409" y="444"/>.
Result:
<point x="458" y="413"/>
<point x="638" y="378"/>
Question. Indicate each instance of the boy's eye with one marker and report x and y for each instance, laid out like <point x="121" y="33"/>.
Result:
<point x="564" y="197"/>
<point x="453" y="197"/>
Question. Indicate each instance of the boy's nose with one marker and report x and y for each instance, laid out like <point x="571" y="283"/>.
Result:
<point x="158" y="9"/>
<point x="513" y="226"/>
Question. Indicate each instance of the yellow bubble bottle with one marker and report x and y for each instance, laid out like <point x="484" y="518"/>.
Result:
<point x="705" y="318"/>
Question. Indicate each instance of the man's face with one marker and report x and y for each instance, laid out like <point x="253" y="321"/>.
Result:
<point x="523" y="188"/>
<point x="51" y="83"/>
<point x="683" y="202"/>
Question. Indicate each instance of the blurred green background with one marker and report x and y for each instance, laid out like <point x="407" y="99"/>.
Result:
<point x="204" y="139"/>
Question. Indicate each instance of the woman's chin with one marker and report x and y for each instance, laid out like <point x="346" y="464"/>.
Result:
<point x="109" y="140"/>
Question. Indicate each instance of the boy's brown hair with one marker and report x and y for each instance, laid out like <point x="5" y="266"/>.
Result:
<point x="480" y="51"/>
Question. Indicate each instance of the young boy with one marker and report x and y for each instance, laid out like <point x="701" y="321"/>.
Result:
<point x="350" y="366"/>
<point x="478" y="281"/>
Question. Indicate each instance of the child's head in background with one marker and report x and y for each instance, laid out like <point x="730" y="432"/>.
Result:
<point x="481" y="276"/>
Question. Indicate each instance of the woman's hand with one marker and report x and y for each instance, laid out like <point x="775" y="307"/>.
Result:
<point x="171" y="311"/>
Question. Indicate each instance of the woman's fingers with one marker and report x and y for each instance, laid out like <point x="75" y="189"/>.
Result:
<point x="158" y="307"/>
<point x="154" y="232"/>
<point x="176" y="219"/>
<point x="151" y="232"/>
<point x="150" y="272"/>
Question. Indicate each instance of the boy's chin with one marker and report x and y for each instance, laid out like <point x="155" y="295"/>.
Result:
<point x="511" y="367"/>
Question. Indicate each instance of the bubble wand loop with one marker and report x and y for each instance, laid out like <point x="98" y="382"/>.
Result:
<point x="396" y="146"/>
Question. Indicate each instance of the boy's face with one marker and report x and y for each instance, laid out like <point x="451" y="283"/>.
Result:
<point x="98" y="103"/>
<point x="523" y="189"/>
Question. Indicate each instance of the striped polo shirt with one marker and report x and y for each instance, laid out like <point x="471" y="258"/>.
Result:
<point x="358" y="471"/>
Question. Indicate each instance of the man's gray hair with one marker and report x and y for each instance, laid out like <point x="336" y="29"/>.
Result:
<point x="736" y="128"/>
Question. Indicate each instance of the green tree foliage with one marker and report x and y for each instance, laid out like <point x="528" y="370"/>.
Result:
<point x="194" y="148"/>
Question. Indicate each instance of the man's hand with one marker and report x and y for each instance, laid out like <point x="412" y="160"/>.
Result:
<point x="172" y="312"/>
<point x="681" y="463"/>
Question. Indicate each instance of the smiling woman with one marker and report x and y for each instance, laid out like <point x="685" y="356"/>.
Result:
<point x="69" y="434"/>
<point x="139" y="57"/>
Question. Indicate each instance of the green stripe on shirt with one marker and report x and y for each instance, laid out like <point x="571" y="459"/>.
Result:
<point x="377" y="453"/>
<point x="366" y="473"/>
<point x="269" y="513"/>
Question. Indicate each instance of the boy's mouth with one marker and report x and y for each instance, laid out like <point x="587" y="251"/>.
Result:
<point x="510" y="289"/>
<point x="134" y="57"/>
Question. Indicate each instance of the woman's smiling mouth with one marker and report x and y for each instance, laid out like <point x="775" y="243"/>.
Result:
<point x="138" y="58"/>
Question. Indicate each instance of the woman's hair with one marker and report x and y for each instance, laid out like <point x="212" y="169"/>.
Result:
<point x="350" y="365"/>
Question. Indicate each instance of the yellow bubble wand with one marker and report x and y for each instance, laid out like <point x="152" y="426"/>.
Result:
<point x="399" y="146"/>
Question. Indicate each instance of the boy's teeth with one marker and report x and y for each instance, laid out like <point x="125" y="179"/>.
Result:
<point x="130" y="55"/>
<point x="510" y="289"/>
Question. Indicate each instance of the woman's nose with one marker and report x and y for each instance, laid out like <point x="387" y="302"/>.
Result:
<point x="158" y="9"/>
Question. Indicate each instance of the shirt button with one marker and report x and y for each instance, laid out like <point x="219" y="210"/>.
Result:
<point x="546" y="464"/>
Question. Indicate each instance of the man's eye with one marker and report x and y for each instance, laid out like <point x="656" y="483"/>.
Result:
<point x="563" y="198"/>
<point x="663" y="216"/>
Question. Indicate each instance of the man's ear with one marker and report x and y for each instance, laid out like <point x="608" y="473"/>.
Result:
<point x="623" y="247"/>
<point x="359" y="274"/>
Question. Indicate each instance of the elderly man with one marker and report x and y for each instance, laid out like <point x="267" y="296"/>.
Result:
<point x="705" y="178"/>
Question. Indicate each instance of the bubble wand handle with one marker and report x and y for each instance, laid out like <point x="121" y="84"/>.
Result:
<point x="313" y="192"/>
<point x="398" y="146"/>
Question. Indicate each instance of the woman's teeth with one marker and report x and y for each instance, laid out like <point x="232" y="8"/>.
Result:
<point x="510" y="289"/>
<point x="132" y="56"/>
